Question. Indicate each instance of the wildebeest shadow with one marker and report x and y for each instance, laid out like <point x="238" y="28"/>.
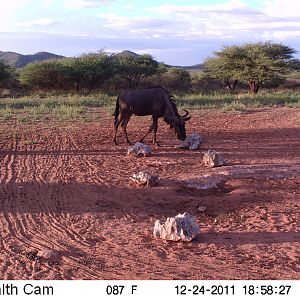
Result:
<point x="167" y="199"/>
<point x="263" y="144"/>
<point x="245" y="238"/>
<point x="111" y="152"/>
<point x="76" y="197"/>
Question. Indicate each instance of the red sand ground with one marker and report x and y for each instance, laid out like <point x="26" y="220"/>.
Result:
<point x="65" y="187"/>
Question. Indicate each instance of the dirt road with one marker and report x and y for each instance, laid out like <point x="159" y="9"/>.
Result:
<point x="65" y="187"/>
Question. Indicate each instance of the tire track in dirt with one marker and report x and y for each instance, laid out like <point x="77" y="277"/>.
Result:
<point x="65" y="169"/>
<point x="21" y="227"/>
<point x="61" y="197"/>
<point x="6" y="178"/>
<point x="66" y="165"/>
<point x="89" y="164"/>
<point x="14" y="224"/>
<point x="87" y="171"/>
<point x="62" y="172"/>
<point x="9" y="161"/>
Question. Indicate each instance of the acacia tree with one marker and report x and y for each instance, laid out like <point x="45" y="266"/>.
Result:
<point x="265" y="62"/>
<point x="8" y="77"/>
<point x="87" y="71"/>
<point x="48" y="75"/>
<point x="74" y="73"/>
<point x="222" y="67"/>
<point x="92" y="69"/>
<point x="6" y="72"/>
<point x="256" y="63"/>
<point x="177" y="79"/>
<point x="133" y="69"/>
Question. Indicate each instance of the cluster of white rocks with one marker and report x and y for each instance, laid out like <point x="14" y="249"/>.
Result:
<point x="212" y="159"/>
<point x="143" y="178"/>
<point x="192" y="142"/>
<point x="182" y="227"/>
<point x="139" y="149"/>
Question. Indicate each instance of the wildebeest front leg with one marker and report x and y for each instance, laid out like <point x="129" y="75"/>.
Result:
<point x="149" y="130"/>
<point x="153" y="127"/>
<point x="155" y="120"/>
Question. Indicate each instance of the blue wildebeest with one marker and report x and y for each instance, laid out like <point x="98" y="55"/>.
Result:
<point x="154" y="101"/>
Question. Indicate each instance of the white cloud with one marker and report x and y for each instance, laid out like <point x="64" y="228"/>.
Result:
<point x="282" y="8"/>
<point x="232" y="19"/>
<point x="233" y="6"/>
<point x="8" y="10"/>
<point x="282" y="35"/>
<point x="37" y="22"/>
<point x="81" y="4"/>
<point x="115" y="21"/>
<point x="168" y="32"/>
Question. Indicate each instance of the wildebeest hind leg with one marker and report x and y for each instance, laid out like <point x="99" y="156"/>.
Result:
<point x="124" y="125"/>
<point x="118" y="120"/>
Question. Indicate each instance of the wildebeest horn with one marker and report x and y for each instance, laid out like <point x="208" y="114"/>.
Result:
<point x="185" y="116"/>
<point x="186" y="113"/>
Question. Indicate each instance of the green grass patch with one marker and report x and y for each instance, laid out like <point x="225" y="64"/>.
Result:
<point x="6" y="113"/>
<point x="67" y="112"/>
<point x="30" y="142"/>
<point x="100" y="100"/>
<point x="34" y="109"/>
<point x="235" y="106"/>
<point x="85" y="108"/>
<point x="238" y="101"/>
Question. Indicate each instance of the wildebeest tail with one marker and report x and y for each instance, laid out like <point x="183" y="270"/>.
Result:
<point x="116" y="113"/>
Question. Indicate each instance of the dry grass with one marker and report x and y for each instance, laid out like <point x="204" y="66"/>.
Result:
<point x="58" y="108"/>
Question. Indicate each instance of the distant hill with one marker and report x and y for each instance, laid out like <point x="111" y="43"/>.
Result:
<point x="196" y="67"/>
<point x="128" y="53"/>
<point x="193" y="68"/>
<point x="19" y="60"/>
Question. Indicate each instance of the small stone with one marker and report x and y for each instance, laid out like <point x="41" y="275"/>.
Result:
<point x="182" y="227"/>
<point x="202" y="208"/>
<point x="50" y="255"/>
<point x="139" y="149"/>
<point x="145" y="179"/>
<point x="192" y="142"/>
<point x="213" y="159"/>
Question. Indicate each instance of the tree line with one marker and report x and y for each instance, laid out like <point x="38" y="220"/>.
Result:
<point x="255" y="65"/>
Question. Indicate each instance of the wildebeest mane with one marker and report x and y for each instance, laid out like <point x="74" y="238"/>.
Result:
<point x="172" y="101"/>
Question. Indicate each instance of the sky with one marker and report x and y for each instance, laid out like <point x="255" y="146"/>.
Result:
<point x="174" y="32"/>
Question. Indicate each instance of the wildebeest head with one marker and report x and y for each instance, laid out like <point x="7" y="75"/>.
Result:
<point x="178" y="124"/>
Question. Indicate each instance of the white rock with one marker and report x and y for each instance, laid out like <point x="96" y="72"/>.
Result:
<point x="202" y="208"/>
<point x="182" y="227"/>
<point x="212" y="158"/>
<point x="192" y="142"/>
<point x="139" y="149"/>
<point x="145" y="179"/>
<point x="50" y="255"/>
